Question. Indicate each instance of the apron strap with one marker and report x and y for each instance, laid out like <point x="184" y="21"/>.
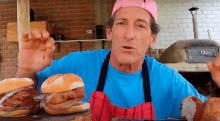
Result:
<point x="146" y="82"/>
<point x="145" y="75"/>
<point x="103" y="74"/>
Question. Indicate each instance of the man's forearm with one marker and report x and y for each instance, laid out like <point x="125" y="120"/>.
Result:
<point x="22" y="73"/>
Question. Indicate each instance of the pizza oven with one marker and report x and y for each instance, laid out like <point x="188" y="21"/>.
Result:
<point x="190" y="56"/>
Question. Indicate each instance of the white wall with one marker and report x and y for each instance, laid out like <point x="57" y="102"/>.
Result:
<point x="176" y="21"/>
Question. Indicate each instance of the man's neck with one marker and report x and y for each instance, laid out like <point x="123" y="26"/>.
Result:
<point x="131" y="68"/>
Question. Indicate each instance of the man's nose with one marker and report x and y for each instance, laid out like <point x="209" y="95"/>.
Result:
<point x="129" y="33"/>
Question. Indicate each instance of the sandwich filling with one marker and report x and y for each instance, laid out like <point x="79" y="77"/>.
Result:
<point x="60" y="100"/>
<point x="17" y="99"/>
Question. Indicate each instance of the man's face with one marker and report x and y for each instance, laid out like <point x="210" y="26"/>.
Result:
<point x="131" y="34"/>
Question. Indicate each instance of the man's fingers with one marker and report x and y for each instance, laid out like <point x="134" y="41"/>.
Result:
<point x="50" y="42"/>
<point x="50" y="48"/>
<point x="49" y="55"/>
<point x="213" y="68"/>
<point x="36" y="35"/>
<point x="210" y="65"/>
<point x="45" y="35"/>
<point x="215" y="73"/>
<point x="49" y="51"/>
<point x="40" y="36"/>
<point x="217" y="60"/>
<point x="25" y="36"/>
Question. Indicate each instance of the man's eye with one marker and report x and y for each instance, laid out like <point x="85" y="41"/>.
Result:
<point x="141" y="26"/>
<point x="121" y="23"/>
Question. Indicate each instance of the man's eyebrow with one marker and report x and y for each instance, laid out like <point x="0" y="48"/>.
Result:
<point x="142" y="20"/>
<point x="138" y="20"/>
<point x="124" y="19"/>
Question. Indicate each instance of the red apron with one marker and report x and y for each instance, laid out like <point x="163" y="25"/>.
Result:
<point x="104" y="110"/>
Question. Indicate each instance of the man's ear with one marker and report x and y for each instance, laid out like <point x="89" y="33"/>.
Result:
<point x="109" y="33"/>
<point x="153" y="40"/>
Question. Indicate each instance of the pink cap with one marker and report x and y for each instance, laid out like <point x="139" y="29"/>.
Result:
<point x="148" y="5"/>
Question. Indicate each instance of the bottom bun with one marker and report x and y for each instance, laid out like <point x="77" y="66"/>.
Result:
<point x="15" y="113"/>
<point x="18" y="112"/>
<point x="73" y="109"/>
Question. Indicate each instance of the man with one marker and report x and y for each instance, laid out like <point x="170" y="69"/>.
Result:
<point x="123" y="81"/>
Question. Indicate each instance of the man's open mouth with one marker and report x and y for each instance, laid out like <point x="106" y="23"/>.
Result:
<point x="128" y="47"/>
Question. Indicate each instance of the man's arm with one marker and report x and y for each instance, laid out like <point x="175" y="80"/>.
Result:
<point x="66" y="64"/>
<point x="181" y="89"/>
<point x="35" y="54"/>
<point x="25" y="73"/>
<point x="22" y="73"/>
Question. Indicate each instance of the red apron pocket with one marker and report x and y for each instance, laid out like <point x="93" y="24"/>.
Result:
<point x="99" y="95"/>
<point x="112" y="109"/>
<point x="91" y="100"/>
<point x="129" y="113"/>
<point x="120" y="112"/>
<point x="105" y="114"/>
<point x="138" y="112"/>
<point x="97" y="105"/>
<point x="148" y="110"/>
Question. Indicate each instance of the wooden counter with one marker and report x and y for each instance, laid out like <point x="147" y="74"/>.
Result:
<point x="188" y="67"/>
<point x="41" y="115"/>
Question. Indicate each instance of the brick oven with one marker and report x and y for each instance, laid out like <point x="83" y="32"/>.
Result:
<point x="189" y="58"/>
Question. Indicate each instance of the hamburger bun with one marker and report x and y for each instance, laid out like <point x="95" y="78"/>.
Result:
<point x="9" y="87"/>
<point x="61" y="83"/>
<point x="18" y="112"/>
<point x="73" y="109"/>
<point x="11" y="84"/>
<point x="15" y="113"/>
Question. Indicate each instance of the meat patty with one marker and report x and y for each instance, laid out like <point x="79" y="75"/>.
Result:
<point x="60" y="97"/>
<point x="20" y="98"/>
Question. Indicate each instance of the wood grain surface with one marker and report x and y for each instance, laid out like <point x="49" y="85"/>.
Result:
<point x="41" y="115"/>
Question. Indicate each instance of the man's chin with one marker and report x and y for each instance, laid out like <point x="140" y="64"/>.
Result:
<point x="126" y="60"/>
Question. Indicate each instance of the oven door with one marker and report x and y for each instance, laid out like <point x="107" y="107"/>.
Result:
<point x="201" y="54"/>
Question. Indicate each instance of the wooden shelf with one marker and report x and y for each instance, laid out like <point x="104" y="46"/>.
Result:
<point x="188" y="67"/>
<point x="81" y="42"/>
<point x="12" y="31"/>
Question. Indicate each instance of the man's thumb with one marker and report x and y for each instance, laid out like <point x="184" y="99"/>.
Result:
<point x="210" y="65"/>
<point x="49" y="55"/>
<point x="214" y="72"/>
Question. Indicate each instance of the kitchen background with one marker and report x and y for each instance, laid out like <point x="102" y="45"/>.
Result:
<point x="72" y="18"/>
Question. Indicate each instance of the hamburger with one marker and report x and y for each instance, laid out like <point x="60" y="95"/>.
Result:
<point x="208" y="111"/>
<point x="193" y="109"/>
<point x="189" y="106"/>
<point x="16" y="97"/>
<point x="63" y="94"/>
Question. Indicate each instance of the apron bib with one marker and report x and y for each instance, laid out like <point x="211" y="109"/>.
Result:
<point x="104" y="110"/>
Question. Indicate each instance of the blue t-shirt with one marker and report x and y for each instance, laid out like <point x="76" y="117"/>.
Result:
<point x="168" y="87"/>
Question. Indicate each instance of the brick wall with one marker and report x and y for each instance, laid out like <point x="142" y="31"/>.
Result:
<point x="73" y="18"/>
<point x="8" y="50"/>
<point x="176" y="20"/>
<point x="70" y="18"/>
